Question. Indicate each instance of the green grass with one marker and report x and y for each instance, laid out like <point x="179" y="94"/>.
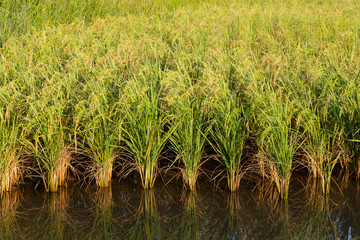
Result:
<point x="188" y="139"/>
<point x="100" y="119"/>
<point x="48" y="130"/>
<point x="145" y="121"/>
<point x="229" y="133"/>
<point x="349" y="121"/>
<point x="108" y="75"/>
<point x="10" y="147"/>
<point x="322" y="138"/>
<point x="279" y="137"/>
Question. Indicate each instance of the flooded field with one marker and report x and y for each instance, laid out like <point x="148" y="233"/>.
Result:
<point x="169" y="212"/>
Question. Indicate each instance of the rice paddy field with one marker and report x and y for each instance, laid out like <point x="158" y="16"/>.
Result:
<point x="202" y="96"/>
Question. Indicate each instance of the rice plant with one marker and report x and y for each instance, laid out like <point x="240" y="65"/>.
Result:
<point x="322" y="135"/>
<point x="188" y="139"/>
<point x="9" y="149"/>
<point x="229" y="132"/>
<point x="48" y="135"/>
<point x="59" y="54"/>
<point x="144" y="125"/>
<point x="349" y="121"/>
<point x="279" y="138"/>
<point x="322" y="152"/>
<point x="100" y="119"/>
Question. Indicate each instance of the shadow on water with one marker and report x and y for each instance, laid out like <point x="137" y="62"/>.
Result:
<point x="168" y="212"/>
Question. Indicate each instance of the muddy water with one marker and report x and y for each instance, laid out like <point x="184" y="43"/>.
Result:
<point x="167" y="212"/>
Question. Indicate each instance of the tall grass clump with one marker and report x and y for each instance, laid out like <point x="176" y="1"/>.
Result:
<point x="279" y="137"/>
<point x="188" y="139"/>
<point x="188" y="98"/>
<point x="320" y="147"/>
<point x="10" y="152"/>
<point x="48" y="133"/>
<point x="10" y="147"/>
<point x="349" y="121"/>
<point x="100" y="118"/>
<point x="322" y="134"/>
<point x="229" y="132"/>
<point x="145" y="121"/>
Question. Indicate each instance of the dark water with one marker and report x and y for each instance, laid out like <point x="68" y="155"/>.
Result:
<point x="168" y="212"/>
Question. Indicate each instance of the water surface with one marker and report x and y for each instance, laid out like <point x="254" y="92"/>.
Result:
<point x="169" y="212"/>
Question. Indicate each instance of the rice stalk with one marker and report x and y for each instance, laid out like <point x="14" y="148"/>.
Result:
<point x="188" y="139"/>
<point x="321" y="149"/>
<point x="100" y="119"/>
<point x="10" y="153"/>
<point x="229" y="132"/>
<point x="144" y="125"/>
<point x="49" y="136"/>
<point x="349" y="121"/>
<point x="279" y="139"/>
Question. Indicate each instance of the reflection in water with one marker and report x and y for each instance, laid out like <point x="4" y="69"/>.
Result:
<point x="315" y="220"/>
<point x="122" y="212"/>
<point x="52" y="218"/>
<point x="348" y="213"/>
<point x="104" y="226"/>
<point x="267" y="217"/>
<point x="188" y="227"/>
<point x="281" y="222"/>
<point x="147" y="223"/>
<point x="8" y="224"/>
<point x="230" y="226"/>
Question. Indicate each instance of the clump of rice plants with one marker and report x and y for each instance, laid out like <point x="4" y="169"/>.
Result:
<point x="48" y="46"/>
<point x="189" y="105"/>
<point x="188" y="139"/>
<point x="48" y="134"/>
<point x="321" y="133"/>
<point x="9" y="149"/>
<point x="229" y="132"/>
<point x="144" y="123"/>
<point x="279" y="139"/>
<point x="321" y="150"/>
<point x="100" y="119"/>
<point x="349" y="121"/>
